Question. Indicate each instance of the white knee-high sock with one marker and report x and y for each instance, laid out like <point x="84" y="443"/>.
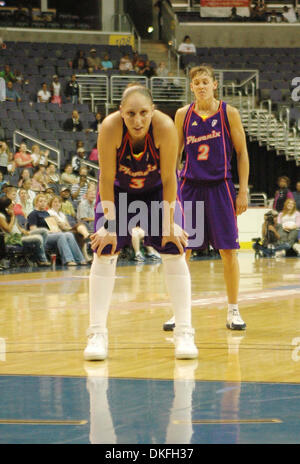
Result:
<point x="101" y="283"/>
<point x="178" y="281"/>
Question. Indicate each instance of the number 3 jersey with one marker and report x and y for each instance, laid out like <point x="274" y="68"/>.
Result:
<point x="138" y="173"/>
<point x="208" y="146"/>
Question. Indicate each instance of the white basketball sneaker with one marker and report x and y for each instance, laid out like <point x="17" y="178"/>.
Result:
<point x="234" y="320"/>
<point x="96" y="349"/>
<point x="185" y="347"/>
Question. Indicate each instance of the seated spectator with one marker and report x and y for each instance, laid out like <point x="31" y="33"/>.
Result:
<point x="138" y="62"/>
<point x="27" y="184"/>
<point x="67" y="206"/>
<point x="258" y="13"/>
<point x="85" y="210"/>
<point x="95" y="125"/>
<point x="68" y="248"/>
<point x="274" y="17"/>
<point x="11" y="193"/>
<point x="22" y="158"/>
<point x="147" y="70"/>
<point x="39" y="157"/>
<point x="56" y="90"/>
<point x="72" y="90"/>
<point x="78" y="191"/>
<point x="289" y="15"/>
<point x="54" y="177"/>
<point x="106" y="63"/>
<point x="234" y="16"/>
<point x="73" y="124"/>
<point x="20" y="78"/>
<point x="7" y="74"/>
<point x="289" y="218"/>
<point x="68" y="178"/>
<point x="187" y="47"/>
<point x="282" y="193"/>
<point x="93" y="61"/>
<point x="40" y="179"/>
<point x="94" y="156"/>
<point x="11" y="94"/>
<point x="63" y="223"/>
<point x="77" y="160"/>
<point x="80" y="62"/>
<point x="125" y="63"/>
<point x="24" y="205"/>
<point x="162" y="70"/>
<point x="16" y="235"/>
<point x="43" y="95"/>
<point x="272" y="242"/>
<point x="5" y="157"/>
<point x="296" y="195"/>
<point x="25" y="175"/>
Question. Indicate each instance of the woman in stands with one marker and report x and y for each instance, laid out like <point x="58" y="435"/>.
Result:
<point x="137" y="148"/>
<point x="289" y="218"/>
<point x="16" y="235"/>
<point x="208" y="131"/>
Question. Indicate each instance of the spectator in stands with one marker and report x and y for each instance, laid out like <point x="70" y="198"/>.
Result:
<point x="125" y="64"/>
<point x="16" y="235"/>
<point x="43" y="95"/>
<point x="79" y="228"/>
<point x="73" y="124"/>
<point x="25" y="175"/>
<point x="68" y="248"/>
<point x="85" y="210"/>
<point x="19" y="77"/>
<point x="68" y="178"/>
<point x="282" y="193"/>
<point x="274" y="17"/>
<point x="5" y="157"/>
<point x="289" y="218"/>
<point x="39" y="157"/>
<point x="22" y="158"/>
<point x="11" y="94"/>
<point x="67" y="205"/>
<point x="78" y="191"/>
<point x="95" y="125"/>
<point x="138" y="62"/>
<point x="234" y="16"/>
<point x="72" y="90"/>
<point x="24" y="205"/>
<point x="289" y="15"/>
<point x="54" y="178"/>
<point x="296" y="195"/>
<point x="40" y="179"/>
<point x="93" y="61"/>
<point x="11" y="193"/>
<point x="77" y="159"/>
<point x="147" y="70"/>
<point x="94" y="156"/>
<point x="56" y="90"/>
<point x="258" y="13"/>
<point x="80" y="62"/>
<point x="7" y="74"/>
<point x="27" y="184"/>
<point x="106" y="63"/>
<point x="162" y="70"/>
<point x="186" y="48"/>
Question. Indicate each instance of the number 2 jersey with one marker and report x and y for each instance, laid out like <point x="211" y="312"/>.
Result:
<point x="138" y="173"/>
<point x="208" y="146"/>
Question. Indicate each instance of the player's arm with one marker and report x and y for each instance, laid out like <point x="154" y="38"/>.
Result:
<point x="166" y="135"/>
<point x="179" y="120"/>
<point x="109" y="138"/>
<point x="240" y="146"/>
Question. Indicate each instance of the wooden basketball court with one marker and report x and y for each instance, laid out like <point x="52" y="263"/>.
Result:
<point x="44" y="317"/>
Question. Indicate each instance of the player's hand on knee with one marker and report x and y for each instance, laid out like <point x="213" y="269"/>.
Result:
<point x="101" y="239"/>
<point x="176" y="235"/>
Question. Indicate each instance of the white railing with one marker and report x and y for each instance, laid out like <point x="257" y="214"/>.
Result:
<point x="119" y="83"/>
<point x="93" y="88"/>
<point x="53" y="150"/>
<point x="171" y="89"/>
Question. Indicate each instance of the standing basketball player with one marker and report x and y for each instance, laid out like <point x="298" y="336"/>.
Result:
<point x="138" y="149"/>
<point x="208" y="131"/>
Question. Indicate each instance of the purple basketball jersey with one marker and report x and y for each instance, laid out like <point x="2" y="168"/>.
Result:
<point x="138" y="173"/>
<point x="208" y="146"/>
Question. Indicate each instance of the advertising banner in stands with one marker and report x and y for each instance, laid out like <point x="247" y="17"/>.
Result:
<point x="223" y="8"/>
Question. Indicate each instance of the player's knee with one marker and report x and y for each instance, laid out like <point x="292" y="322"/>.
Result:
<point x="175" y="264"/>
<point x="228" y="256"/>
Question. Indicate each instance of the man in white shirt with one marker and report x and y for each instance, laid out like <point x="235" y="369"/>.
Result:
<point x="43" y="95"/>
<point x="289" y="15"/>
